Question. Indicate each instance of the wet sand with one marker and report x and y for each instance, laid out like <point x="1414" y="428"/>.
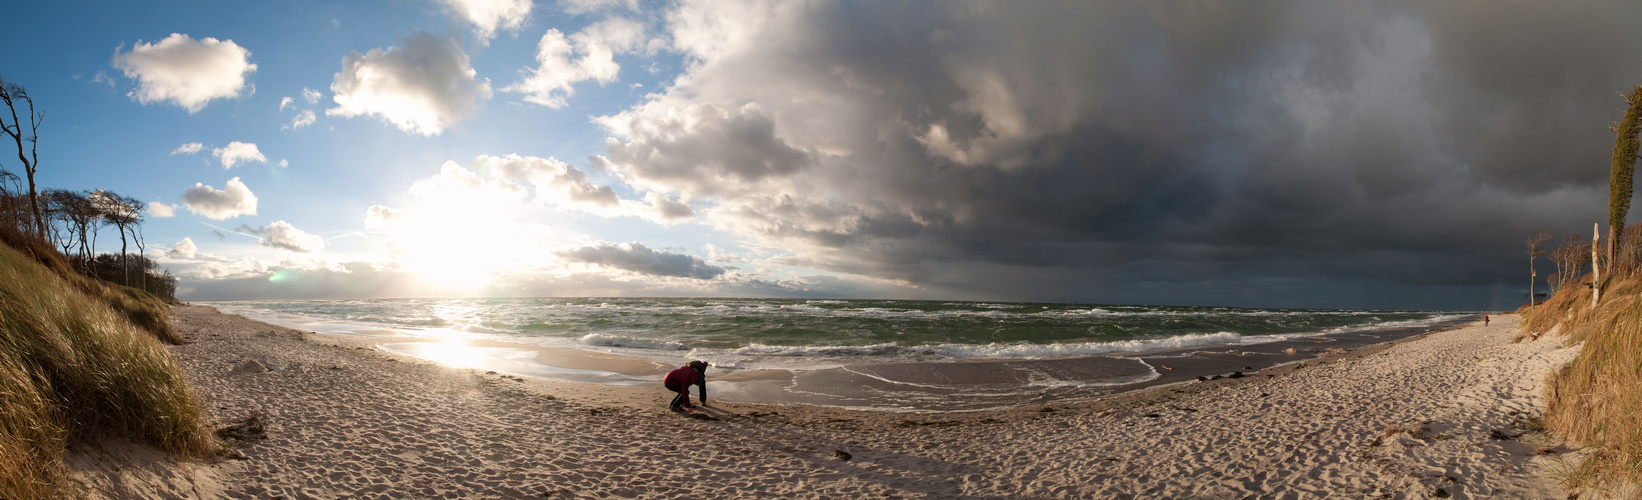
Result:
<point x="345" y="418"/>
<point x="936" y="385"/>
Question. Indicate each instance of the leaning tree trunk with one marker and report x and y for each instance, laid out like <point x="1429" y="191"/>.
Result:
<point x="1622" y="170"/>
<point x="125" y="269"/>
<point x="136" y="234"/>
<point x="1596" y="269"/>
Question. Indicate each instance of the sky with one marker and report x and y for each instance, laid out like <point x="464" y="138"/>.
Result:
<point x="1308" y="154"/>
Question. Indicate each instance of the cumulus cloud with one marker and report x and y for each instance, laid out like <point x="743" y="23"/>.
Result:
<point x="587" y="55"/>
<point x="184" y="249"/>
<point x="160" y="210"/>
<point x="238" y="152"/>
<point x="303" y="118"/>
<point x="423" y="88"/>
<point x="233" y="200"/>
<point x="311" y="95"/>
<point x="488" y="16"/>
<point x="283" y="163"/>
<point x="285" y="101"/>
<point x="455" y="181"/>
<point x="556" y="182"/>
<point x="283" y="235"/>
<point x="188" y="149"/>
<point x="716" y="254"/>
<point x="703" y="149"/>
<point x="186" y="72"/>
<point x="637" y="258"/>
<point x="591" y="6"/>
<point x="560" y="184"/>
<point x="381" y="215"/>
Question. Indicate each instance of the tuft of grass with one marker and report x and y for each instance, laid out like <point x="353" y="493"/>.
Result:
<point x="142" y="309"/>
<point x="1597" y="399"/>
<point x="72" y="365"/>
<point x="1569" y="312"/>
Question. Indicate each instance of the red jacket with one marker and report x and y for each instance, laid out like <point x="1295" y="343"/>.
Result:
<point x="682" y="378"/>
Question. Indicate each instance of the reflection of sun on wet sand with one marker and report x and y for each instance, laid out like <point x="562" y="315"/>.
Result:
<point x="347" y="419"/>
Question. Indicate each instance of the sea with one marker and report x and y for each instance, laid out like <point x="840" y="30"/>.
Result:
<point x="866" y="339"/>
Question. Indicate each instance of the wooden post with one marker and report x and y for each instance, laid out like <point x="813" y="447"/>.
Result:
<point x="1596" y="268"/>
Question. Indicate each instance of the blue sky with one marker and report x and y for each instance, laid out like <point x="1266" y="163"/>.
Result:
<point x="1307" y="154"/>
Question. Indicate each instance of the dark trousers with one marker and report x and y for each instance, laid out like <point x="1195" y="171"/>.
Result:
<point x="682" y="399"/>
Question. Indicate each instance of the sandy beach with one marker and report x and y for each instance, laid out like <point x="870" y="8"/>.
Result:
<point x="1444" y="414"/>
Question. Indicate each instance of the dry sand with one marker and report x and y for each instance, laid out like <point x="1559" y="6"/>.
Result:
<point x="1448" y="410"/>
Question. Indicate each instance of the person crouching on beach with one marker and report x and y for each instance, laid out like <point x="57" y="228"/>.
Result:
<point x="680" y="380"/>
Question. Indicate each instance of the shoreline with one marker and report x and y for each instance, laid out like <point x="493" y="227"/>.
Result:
<point x="1400" y="419"/>
<point x="893" y="385"/>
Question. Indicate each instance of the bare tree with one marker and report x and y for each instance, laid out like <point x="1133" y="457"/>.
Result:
<point x="125" y="213"/>
<point x="79" y="216"/>
<point x="11" y="93"/>
<point x="1570" y="256"/>
<point x="13" y="208"/>
<point x="58" y="223"/>
<point x="142" y="259"/>
<point x="1536" y="248"/>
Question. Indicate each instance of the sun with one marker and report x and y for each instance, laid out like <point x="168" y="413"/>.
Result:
<point x="463" y="232"/>
<point x="459" y="243"/>
<point x="450" y="254"/>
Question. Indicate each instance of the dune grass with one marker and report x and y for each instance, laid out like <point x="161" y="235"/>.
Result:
<point x="1597" y="399"/>
<point x="71" y="366"/>
<point x="142" y="308"/>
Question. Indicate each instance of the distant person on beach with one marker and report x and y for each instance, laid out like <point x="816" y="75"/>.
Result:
<point x="1485" y="320"/>
<point x="680" y="380"/>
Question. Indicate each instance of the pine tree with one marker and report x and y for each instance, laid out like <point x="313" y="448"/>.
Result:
<point x="1623" y="168"/>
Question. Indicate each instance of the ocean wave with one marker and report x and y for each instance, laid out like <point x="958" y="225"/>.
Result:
<point x="1379" y="324"/>
<point x="630" y="342"/>
<point x="1034" y="351"/>
<point x="999" y="350"/>
<point x="756" y="349"/>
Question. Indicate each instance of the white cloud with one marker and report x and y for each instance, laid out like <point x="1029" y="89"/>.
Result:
<point x="186" y="72"/>
<point x="590" y="6"/>
<point x="187" y="149"/>
<point x="283" y="235"/>
<point x="660" y="208"/>
<point x="303" y="118"/>
<point x="716" y="254"/>
<point x="454" y="181"/>
<point x="238" y="152"/>
<point x="561" y="185"/>
<point x="283" y="163"/>
<point x="552" y="81"/>
<point x="184" y="249"/>
<point x="160" y="210"/>
<point x="285" y="101"/>
<point x="311" y="95"/>
<point x="422" y="88"/>
<point x="556" y="182"/>
<point x="102" y="77"/>
<point x="488" y="16"/>
<point x="381" y="215"/>
<point x="232" y="201"/>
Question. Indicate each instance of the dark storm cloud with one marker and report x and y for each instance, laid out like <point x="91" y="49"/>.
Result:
<point x="641" y="259"/>
<point x="1251" y="153"/>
